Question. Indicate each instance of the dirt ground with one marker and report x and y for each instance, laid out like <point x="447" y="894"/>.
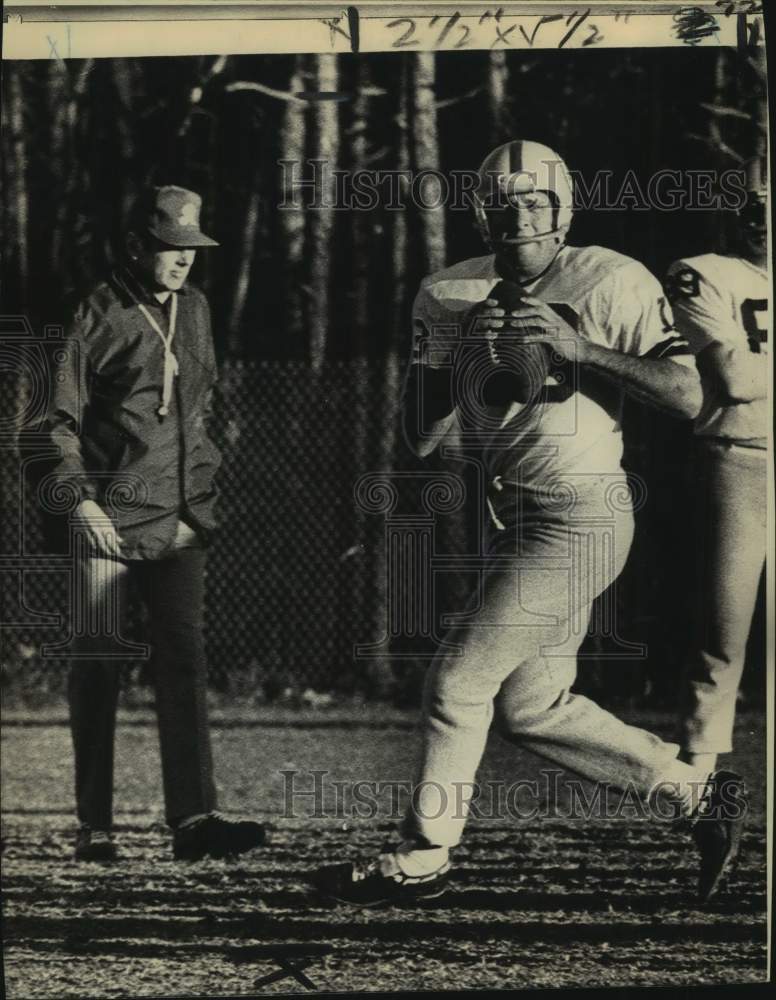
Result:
<point x="539" y="899"/>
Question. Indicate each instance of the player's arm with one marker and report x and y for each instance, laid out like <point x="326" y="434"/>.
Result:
<point x="658" y="381"/>
<point x="703" y="316"/>
<point x="428" y="410"/>
<point x="658" y="377"/>
<point x="741" y="375"/>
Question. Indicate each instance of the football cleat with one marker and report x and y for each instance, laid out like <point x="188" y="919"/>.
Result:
<point x="716" y="828"/>
<point x="378" y="881"/>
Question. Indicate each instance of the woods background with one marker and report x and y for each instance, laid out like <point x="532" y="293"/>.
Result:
<point x="311" y="315"/>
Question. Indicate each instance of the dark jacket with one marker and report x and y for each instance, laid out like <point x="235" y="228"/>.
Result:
<point x="147" y="471"/>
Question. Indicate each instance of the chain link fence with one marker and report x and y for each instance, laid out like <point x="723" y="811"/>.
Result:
<point x="297" y="574"/>
<point x="319" y="500"/>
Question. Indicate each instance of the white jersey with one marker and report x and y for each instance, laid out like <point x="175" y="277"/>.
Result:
<point x="725" y="300"/>
<point x="612" y="300"/>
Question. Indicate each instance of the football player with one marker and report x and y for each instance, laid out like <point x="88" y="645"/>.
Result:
<point x="721" y="306"/>
<point x="561" y="519"/>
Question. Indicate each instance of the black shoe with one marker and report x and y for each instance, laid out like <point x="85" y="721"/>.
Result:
<point x="94" y="845"/>
<point x="716" y="828"/>
<point x="364" y="884"/>
<point x="214" y="836"/>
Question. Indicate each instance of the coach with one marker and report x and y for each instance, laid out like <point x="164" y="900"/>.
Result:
<point x="128" y="415"/>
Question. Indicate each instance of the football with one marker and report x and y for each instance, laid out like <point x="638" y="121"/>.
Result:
<point x="523" y="367"/>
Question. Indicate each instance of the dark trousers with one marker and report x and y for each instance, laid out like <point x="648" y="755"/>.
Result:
<point x="173" y="591"/>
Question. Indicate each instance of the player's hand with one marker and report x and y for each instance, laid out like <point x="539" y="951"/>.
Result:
<point x="542" y="325"/>
<point x="487" y="321"/>
<point x="90" y="518"/>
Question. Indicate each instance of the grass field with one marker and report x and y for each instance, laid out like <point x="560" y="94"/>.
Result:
<point x="546" y="901"/>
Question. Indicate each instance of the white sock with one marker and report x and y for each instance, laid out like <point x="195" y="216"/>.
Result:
<point x="681" y="787"/>
<point x="417" y="861"/>
<point x="705" y="760"/>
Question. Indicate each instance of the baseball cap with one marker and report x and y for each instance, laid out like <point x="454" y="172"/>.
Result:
<point x="171" y="215"/>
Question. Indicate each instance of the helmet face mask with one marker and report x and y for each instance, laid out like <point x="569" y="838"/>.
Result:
<point x="522" y="218"/>
<point x="753" y="224"/>
<point x="753" y="215"/>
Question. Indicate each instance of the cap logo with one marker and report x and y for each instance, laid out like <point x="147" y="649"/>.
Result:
<point x="188" y="215"/>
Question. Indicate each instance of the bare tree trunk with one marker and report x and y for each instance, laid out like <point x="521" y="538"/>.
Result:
<point x="371" y="333"/>
<point x="77" y="226"/>
<point x="362" y="221"/>
<point x="15" y="385"/>
<point x="498" y="78"/>
<point x="326" y="151"/>
<point x="426" y="144"/>
<point x="758" y="105"/>
<point x="656" y="114"/>
<point x="382" y="673"/>
<point x="364" y="364"/>
<point x="242" y="285"/>
<point x="124" y="83"/>
<point x="292" y="216"/>
<point x="57" y="103"/>
<point x="451" y="529"/>
<point x="210" y="196"/>
<point x="399" y="248"/>
<point x="717" y="234"/>
<point x="17" y="172"/>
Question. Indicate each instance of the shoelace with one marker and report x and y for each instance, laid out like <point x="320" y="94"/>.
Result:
<point x="193" y="824"/>
<point x="216" y="815"/>
<point x="362" y="869"/>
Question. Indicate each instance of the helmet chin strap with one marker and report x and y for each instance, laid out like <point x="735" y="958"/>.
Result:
<point x="519" y="241"/>
<point x="526" y="279"/>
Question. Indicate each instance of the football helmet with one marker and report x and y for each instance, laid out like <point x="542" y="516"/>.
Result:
<point x="520" y="168"/>
<point x="753" y="214"/>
